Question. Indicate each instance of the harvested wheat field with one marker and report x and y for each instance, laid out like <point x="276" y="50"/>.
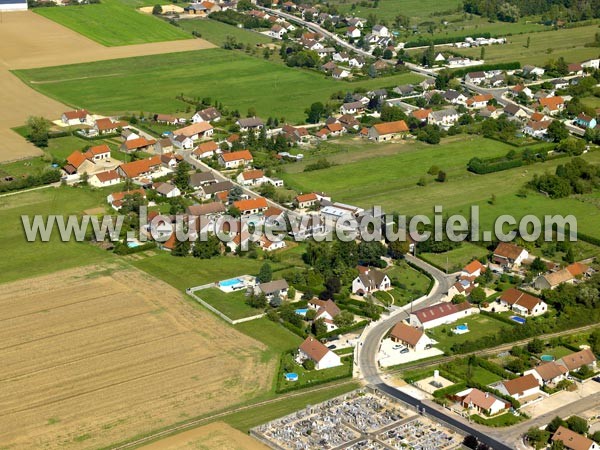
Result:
<point x="93" y="356"/>
<point x="46" y="43"/>
<point x="216" y="435"/>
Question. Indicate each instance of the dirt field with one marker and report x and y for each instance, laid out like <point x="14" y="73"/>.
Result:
<point x="217" y="435"/>
<point x="47" y="43"/>
<point x="91" y="357"/>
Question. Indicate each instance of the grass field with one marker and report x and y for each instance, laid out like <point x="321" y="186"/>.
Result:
<point x="388" y="9"/>
<point x="456" y="259"/>
<point x="591" y="101"/>
<point x="307" y="377"/>
<point x="99" y="353"/>
<point x="114" y="22"/>
<point x="151" y="83"/>
<point x="568" y="43"/>
<point x="414" y="284"/>
<point x="22" y="259"/>
<point x="478" y="374"/>
<point x="479" y="326"/>
<point x="216" y="32"/>
<point x="233" y="305"/>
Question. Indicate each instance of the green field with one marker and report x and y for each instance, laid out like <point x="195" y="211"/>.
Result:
<point x="114" y="22"/>
<point x="412" y="284"/>
<point x="591" y="102"/>
<point x="151" y="83"/>
<point x="233" y="304"/>
<point x="568" y="43"/>
<point x="456" y="259"/>
<point x="479" y="326"/>
<point x="216" y="32"/>
<point x="22" y="259"/>
<point x="388" y="9"/>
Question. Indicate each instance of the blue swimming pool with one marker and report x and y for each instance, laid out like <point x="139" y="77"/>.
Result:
<point x="462" y="327"/>
<point x="517" y="319"/>
<point x="230" y="283"/>
<point x="133" y="244"/>
<point x="291" y="376"/>
<point x="547" y="358"/>
<point x="301" y="311"/>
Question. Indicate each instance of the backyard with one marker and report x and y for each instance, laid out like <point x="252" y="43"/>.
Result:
<point x="454" y="260"/>
<point x="233" y="304"/>
<point x="308" y="377"/>
<point x="411" y="284"/>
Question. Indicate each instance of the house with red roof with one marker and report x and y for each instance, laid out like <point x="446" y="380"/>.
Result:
<point x="573" y="441"/>
<point x="116" y="198"/>
<point x="308" y="200"/>
<point x="482" y="402"/>
<point x="440" y="314"/>
<point x="253" y="177"/>
<point x="323" y="358"/>
<point x="552" y="105"/>
<point x="523" y="303"/>
<point x="104" y="179"/>
<point x="411" y="337"/>
<point x="519" y="388"/>
<point x="509" y="255"/>
<point x="107" y="125"/>
<point x="233" y="160"/>
<point x="251" y="205"/>
<point x="140" y="168"/>
<point x="141" y="144"/>
<point x="474" y="269"/>
<point x="76" y="117"/>
<point x="388" y="131"/>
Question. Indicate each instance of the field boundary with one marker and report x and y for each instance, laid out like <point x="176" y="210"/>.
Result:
<point x="191" y="293"/>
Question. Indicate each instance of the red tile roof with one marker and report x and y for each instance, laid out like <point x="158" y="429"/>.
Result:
<point x="406" y="333"/>
<point x="236" y="156"/>
<point x="398" y="126"/>
<point x="314" y="349"/>
<point x="520" y="385"/>
<point x="250" y="204"/>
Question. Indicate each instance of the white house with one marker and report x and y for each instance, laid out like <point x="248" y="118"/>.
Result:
<point x="483" y="402"/>
<point x="591" y="64"/>
<point x="233" y="160"/>
<point x="356" y="61"/>
<point x="444" y="118"/>
<point x="523" y="303"/>
<point x="574" y="441"/>
<point x="577" y="360"/>
<point x="548" y="373"/>
<point x="252" y="178"/>
<point x="76" y="117"/>
<point x="167" y="190"/>
<point x="196" y="131"/>
<point x="104" y="179"/>
<point x="326" y="310"/>
<point x="380" y="31"/>
<point x="440" y="314"/>
<point x="339" y="73"/>
<point x="519" y="388"/>
<point x="321" y="355"/>
<point x="411" y="337"/>
<point x="537" y="129"/>
<point x="273" y="288"/>
<point x="473" y="269"/>
<point x="353" y="32"/>
<point x="352" y="108"/>
<point x="277" y="31"/>
<point x="370" y="280"/>
<point x="510" y="255"/>
<point x="182" y="142"/>
<point x="475" y="77"/>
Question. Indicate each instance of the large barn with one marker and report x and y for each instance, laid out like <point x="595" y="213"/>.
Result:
<point x="13" y="5"/>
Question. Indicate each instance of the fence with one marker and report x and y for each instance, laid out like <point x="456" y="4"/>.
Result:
<point x="191" y="293"/>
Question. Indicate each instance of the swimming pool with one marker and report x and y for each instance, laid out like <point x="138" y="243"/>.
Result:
<point x="291" y="376"/>
<point x="133" y="244"/>
<point x="302" y="311"/>
<point x="230" y="283"/>
<point x="462" y="327"/>
<point x="547" y="358"/>
<point x="517" y="319"/>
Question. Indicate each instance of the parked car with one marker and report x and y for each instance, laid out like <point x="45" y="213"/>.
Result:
<point x="332" y="347"/>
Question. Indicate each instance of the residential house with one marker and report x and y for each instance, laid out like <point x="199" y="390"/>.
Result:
<point x="169" y="119"/>
<point x="552" y="105"/>
<point x="522" y="303"/>
<point x="577" y="360"/>
<point x="533" y="71"/>
<point x="514" y="111"/>
<point x="591" y="64"/>
<point x="537" y="129"/>
<point x="250" y="124"/>
<point x="585" y="121"/>
<point x="128" y="134"/>
<point x="573" y="441"/>
<point x="167" y="190"/>
<point x="210" y="114"/>
<point x="411" y="337"/>
<point x="170" y="160"/>
<point x="475" y="77"/>
<point x="474" y="269"/>
<point x="214" y="189"/>
<point x="404" y="90"/>
<point x="303" y="201"/>
<point x="104" y="179"/>
<point x="353" y="32"/>
<point x="251" y="178"/>
<point x="323" y="358"/>
<point x="341" y="57"/>
<point x="76" y="117"/>
<point x="107" y="125"/>
<point x="482" y="402"/>
<point x="116" y="198"/>
<point x="211" y="210"/>
<point x="269" y="246"/>
<point x="479" y="101"/>
<point x="370" y="280"/>
<point x="548" y="373"/>
<point x="182" y="142"/>
<point x="559" y="83"/>
<point x="439" y="58"/>
<point x="327" y="310"/>
<point x="199" y="179"/>
<point x="138" y="145"/>
<point x="251" y="206"/>
<point x="356" y="62"/>
<point x="388" y="131"/>
<point x="519" y="388"/>
<point x="329" y="67"/>
<point x="440" y="314"/>
<point x="277" y="31"/>
<point x="516" y="90"/>
<point x="339" y="73"/>
<point x="381" y="31"/>
<point x="206" y="150"/>
<point x="164" y="145"/>
<point x="349" y="122"/>
<point x="575" y="69"/>
<point x="352" y="108"/>
<point x="140" y="168"/>
<point x="422" y="114"/>
<point x="455" y="97"/>
<point x="195" y="131"/>
<point x="567" y="275"/>
<point x="444" y="118"/>
<point x="295" y="134"/>
<point x="509" y="255"/>
<point x="233" y="160"/>
<point x="427" y="84"/>
<point x="272" y="289"/>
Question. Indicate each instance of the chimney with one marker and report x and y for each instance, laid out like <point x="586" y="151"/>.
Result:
<point x="487" y="394"/>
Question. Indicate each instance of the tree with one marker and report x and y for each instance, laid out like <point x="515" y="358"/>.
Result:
<point x="181" y="248"/>
<point x="470" y="441"/>
<point x="441" y="176"/>
<point x="370" y="253"/>
<point x="319" y="327"/>
<point x="388" y="54"/>
<point x="343" y="319"/>
<point x="38" y="131"/>
<point x="257" y="301"/>
<point x="478" y="295"/>
<point x="397" y="249"/>
<point x="315" y="112"/>
<point x="458" y="299"/>
<point x="555" y="424"/>
<point x="538" y="266"/>
<point x="206" y="249"/>
<point x="594" y="341"/>
<point x="308" y="364"/>
<point x="265" y="274"/>
<point x="557" y="445"/>
<point x="181" y="178"/>
<point x="235" y="194"/>
<point x="536" y="437"/>
<point x="528" y="42"/>
<point x="557" y="131"/>
<point x="482" y="53"/>
<point x="577" y="424"/>
<point x="157" y="10"/>
<point x="535" y="346"/>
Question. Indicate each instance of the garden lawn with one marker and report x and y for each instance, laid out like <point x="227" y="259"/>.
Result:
<point x="233" y="304"/>
<point x="568" y="43"/>
<point x="308" y="377"/>
<point x="479" y="326"/>
<point x="455" y="259"/>
<point x="558" y="352"/>
<point x="479" y="375"/>
<point x="591" y="101"/>
<point x="503" y="420"/>
<point x="217" y="32"/>
<point x="22" y="259"/>
<point x="412" y="284"/>
<point x="113" y="22"/>
<point x="151" y="84"/>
